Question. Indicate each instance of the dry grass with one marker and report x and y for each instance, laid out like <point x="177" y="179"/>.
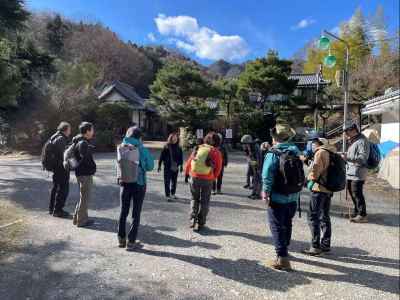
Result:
<point x="9" y="235"/>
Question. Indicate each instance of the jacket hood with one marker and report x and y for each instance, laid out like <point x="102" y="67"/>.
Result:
<point x="78" y="138"/>
<point x="330" y="148"/>
<point x="132" y="141"/>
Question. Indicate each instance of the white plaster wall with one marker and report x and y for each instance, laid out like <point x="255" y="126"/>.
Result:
<point x="115" y="97"/>
<point x="390" y="126"/>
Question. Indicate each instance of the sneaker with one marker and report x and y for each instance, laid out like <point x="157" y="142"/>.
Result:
<point x="246" y="186"/>
<point x="214" y="192"/>
<point x="121" y="242"/>
<point x="280" y="263"/>
<point x="359" y="219"/>
<point x="87" y="224"/>
<point x="198" y="228"/>
<point x="169" y="199"/>
<point x="219" y="192"/>
<point x="61" y="214"/>
<point x="313" y="251"/>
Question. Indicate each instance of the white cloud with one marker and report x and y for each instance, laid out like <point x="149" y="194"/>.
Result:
<point x="151" y="37"/>
<point x="203" y="41"/>
<point x="303" y="24"/>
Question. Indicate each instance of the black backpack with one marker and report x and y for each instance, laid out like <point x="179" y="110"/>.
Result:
<point x="290" y="178"/>
<point x="336" y="173"/>
<point x="374" y="157"/>
<point x="49" y="159"/>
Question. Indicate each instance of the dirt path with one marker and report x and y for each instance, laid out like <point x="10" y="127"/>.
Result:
<point x="59" y="261"/>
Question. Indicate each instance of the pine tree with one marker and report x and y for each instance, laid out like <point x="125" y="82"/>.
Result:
<point x="180" y="92"/>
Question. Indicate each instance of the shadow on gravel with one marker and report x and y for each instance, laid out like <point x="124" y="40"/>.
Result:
<point x="151" y="235"/>
<point x="355" y="276"/>
<point x="244" y="271"/>
<point x="35" y="273"/>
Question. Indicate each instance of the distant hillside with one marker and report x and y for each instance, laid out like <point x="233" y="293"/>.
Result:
<point x="222" y="68"/>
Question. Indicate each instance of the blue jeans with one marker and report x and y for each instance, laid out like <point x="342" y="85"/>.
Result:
<point x="319" y="220"/>
<point x="130" y="192"/>
<point x="280" y="223"/>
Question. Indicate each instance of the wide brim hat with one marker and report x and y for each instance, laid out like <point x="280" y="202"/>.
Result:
<point x="283" y="132"/>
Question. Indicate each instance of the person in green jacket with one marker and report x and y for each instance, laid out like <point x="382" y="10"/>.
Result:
<point x="134" y="192"/>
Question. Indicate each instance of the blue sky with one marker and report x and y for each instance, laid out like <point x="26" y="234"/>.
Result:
<point x="207" y="30"/>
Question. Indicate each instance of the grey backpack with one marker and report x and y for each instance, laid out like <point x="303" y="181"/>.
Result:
<point x="128" y="160"/>
<point x="70" y="162"/>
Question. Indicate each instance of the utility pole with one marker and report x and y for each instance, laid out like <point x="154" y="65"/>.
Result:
<point x="325" y="42"/>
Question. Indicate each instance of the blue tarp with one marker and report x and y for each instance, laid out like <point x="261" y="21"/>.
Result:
<point x="386" y="147"/>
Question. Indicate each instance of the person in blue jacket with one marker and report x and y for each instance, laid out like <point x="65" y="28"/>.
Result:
<point x="281" y="208"/>
<point x="134" y="192"/>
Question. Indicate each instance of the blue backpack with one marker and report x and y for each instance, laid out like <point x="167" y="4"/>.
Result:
<point x="374" y="157"/>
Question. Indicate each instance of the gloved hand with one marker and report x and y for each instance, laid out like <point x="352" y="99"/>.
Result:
<point x="187" y="179"/>
<point x="310" y="185"/>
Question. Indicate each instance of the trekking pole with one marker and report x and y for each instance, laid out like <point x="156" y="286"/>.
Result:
<point x="299" y="206"/>
<point x="347" y="202"/>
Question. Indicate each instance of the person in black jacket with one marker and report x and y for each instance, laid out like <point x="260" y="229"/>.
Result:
<point x="172" y="158"/>
<point x="217" y="184"/>
<point x="60" y="189"/>
<point x="84" y="172"/>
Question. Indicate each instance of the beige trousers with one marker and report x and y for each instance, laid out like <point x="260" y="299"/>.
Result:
<point x="85" y="184"/>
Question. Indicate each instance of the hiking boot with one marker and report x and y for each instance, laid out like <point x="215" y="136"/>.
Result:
<point x="199" y="227"/>
<point x="131" y="246"/>
<point x="86" y="224"/>
<point x="312" y="251"/>
<point x="246" y="186"/>
<point x="219" y="192"/>
<point x="280" y="263"/>
<point x="121" y="242"/>
<point x="359" y="219"/>
<point x="214" y="193"/>
<point x="61" y="214"/>
<point x="325" y="249"/>
<point x="169" y="199"/>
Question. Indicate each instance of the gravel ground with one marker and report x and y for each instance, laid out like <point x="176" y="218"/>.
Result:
<point x="59" y="261"/>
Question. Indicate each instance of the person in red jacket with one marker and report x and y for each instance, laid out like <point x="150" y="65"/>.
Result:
<point x="203" y="166"/>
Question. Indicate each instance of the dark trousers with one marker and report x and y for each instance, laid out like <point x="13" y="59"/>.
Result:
<point x="356" y="193"/>
<point x="319" y="220"/>
<point x="280" y="223"/>
<point x="249" y="175"/>
<point x="170" y="180"/>
<point x="59" y="191"/>
<point x="201" y="194"/>
<point x="256" y="182"/>
<point x="130" y="192"/>
<point x="217" y="184"/>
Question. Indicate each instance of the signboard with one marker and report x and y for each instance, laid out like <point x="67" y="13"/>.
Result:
<point x="228" y="134"/>
<point x="199" y="133"/>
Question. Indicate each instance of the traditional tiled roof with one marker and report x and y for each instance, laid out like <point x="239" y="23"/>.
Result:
<point x="305" y="80"/>
<point x="125" y="90"/>
<point x="389" y="101"/>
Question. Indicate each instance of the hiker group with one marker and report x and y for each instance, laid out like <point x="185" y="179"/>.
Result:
<point x="277" y="173"/>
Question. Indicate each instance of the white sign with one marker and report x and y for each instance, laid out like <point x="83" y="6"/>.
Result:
<point x="199" y="133"/>
<point x="229" y="134"/>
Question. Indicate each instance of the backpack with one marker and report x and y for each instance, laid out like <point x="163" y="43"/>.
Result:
<point x="336" y="173"/>
<point x="290" y="178"/>
<point x="128" y="160"/>
<point x="374" y="157"/>
<point x="70" y="161"/>
<point x="202" y="162"/>
<point x="48" y="156"/>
